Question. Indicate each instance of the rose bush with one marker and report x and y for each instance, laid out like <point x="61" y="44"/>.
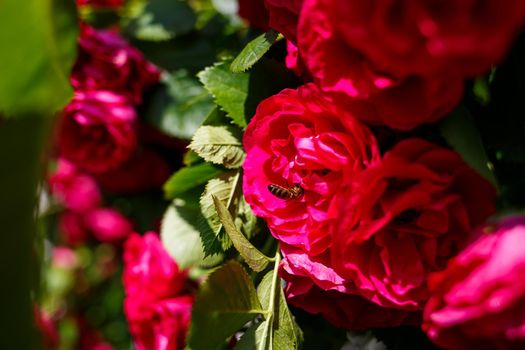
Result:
<point x="404" y="218"/>
<point x="298" y="138"/>
<point x="479" y="300"/>
<point x="158" y="295"/>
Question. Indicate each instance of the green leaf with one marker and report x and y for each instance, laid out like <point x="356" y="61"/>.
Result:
<point x="461" y="133"/>
<point x="217" y="144"/>
<point x="179" y="105"/>
<point x="191" y="158"/>
<point x="38" y="42"/>
<point x="230" y="90"/>
<point x="223" y="188"/>
<point x="278" y="331"/>
<point x="254" y="51"/>
<point x="284" y="322"/>
<point x="245" y="219"/>
<point x="181" y="237"/>
<point x="189" y="178"/>
<point x="162" y="20"/>
<point x="253" y="257"/>
<point x="239" y="94"/>
<point x="225" y="302"/>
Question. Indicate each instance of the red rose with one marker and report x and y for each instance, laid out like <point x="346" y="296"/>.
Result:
<point x="390" y="97"/>
<point x="298" y="139"/>
<point x="284" y="16"/>
<point x="78" y="192"/>
<point x="427" y="37"/>
<point x="108" y="225"/>
<point x="97" y="131"/>
<point x="405" y="217"/>
<point x="107" y="62"/>
<point x="478" y="302"/>
<point x="144" y="171"/>
<point x="254" y="12"/>
<point x="315" y="287"/>
<point x="158" y="303"/>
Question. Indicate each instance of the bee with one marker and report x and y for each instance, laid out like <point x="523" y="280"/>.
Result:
<point x="286" y="193"/>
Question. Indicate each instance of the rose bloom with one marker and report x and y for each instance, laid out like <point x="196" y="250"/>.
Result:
<point x="78" y="192"/>
<point x="158" y="296"/>
<point x="284" y="16"/>
<point x="297" y="138"/>
<point x="314" y="286"/>
<point x="478" y="302"/>
<point x="107" y="62"/>
<point x="426" y="37"/>
<point x="404" y="218"/>
<point x="97" y="131"/>
<point x="108" y="225"/>
<point x="399" y="100"/>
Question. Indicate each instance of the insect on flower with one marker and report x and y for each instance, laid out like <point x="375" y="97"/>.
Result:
<point x="286" y="193"/>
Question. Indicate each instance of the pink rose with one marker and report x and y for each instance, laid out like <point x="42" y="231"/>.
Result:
<point x="426" y="37"/>
<point x="78" y="192"/>
<point x="284" y="16"/>
<point x="158" y="299"/>
<point x="108" y="225"/>
<point x="107" y="62"/>
<point x="298" y="139"/>
<point x="314" y="286"/>
<point x="97" y="131"/>
<point x="390" y="97"/>
<point x="404" y="218"/>
<point x="64" y="258"/>
<point x="478" y="302"/>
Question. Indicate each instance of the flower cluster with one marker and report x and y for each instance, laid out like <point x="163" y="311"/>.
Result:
<point x="100" y="130"/>
<point x="401" y="63"/>
<point x="105" y="150"/>
<point x="362" y="230"/>
<point x="84" y="215"/>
